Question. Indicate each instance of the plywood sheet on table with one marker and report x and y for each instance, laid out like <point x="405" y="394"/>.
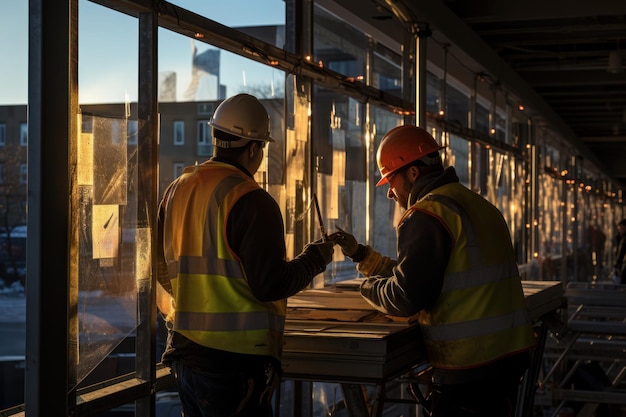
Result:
<point x="542" y="297"/>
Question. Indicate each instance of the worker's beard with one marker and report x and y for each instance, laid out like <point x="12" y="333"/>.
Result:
<point x="402" y="195"/>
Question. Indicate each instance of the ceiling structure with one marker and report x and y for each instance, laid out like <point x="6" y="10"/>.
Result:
<point x="571" y="53"/>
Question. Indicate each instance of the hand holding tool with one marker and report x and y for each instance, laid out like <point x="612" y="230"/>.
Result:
<point x="346" y="241"/>
<point x="319" y="217"/>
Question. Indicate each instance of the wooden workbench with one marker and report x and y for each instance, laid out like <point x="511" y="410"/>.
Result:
<point x="334" y="335"/>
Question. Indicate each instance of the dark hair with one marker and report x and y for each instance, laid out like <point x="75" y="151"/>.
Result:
<point x="427" y="164"/>
<point x="622" y="222"/>
<point x="227" y="153"/>
<point x="225" y="136"/>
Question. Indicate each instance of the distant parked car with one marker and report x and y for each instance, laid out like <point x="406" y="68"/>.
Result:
<point x="13" y="254"/>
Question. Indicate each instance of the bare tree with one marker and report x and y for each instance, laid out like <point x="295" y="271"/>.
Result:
<point x="12" y="211"/>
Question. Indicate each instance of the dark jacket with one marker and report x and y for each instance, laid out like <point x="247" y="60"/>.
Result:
<point x="409" y="292"/>
<point x="255" y="233"/>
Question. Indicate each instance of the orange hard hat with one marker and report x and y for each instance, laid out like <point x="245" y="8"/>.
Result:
<point x="401" y="146"/>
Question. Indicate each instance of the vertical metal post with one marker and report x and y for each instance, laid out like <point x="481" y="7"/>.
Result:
<point x="532" y="204"/>
<point x="51" y="322"/>
<point x="473" y="157"/>
<point x="574" y="221"/>
<point x="370" y="149"/>
<point x="148" y="183"/>
<point x="420" y="76"/>
<point x="298" y="99"/>
<point x="564" y="226"/>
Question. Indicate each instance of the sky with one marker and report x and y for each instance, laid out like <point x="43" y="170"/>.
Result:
<point x="108" y="49"/>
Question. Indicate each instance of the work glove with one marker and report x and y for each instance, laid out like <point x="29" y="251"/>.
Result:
<point x="323" y="248"/>
<point x="346" y="241"/>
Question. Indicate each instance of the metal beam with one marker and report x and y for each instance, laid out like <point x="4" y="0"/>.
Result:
<point x="445" y="24"/>
<point x="490" y="10"/>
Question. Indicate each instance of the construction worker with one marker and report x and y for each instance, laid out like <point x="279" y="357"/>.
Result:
<point x="227" y="277"/>
<point x="455" y="274"/>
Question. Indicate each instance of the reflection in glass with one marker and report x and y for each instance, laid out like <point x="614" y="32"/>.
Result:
<point x="457" y="106"/>
<point x="458" y="155"/>
<point x="482" y="119"/>
<point x="386" y="213"/>
<point x="505" y="189"/>
<point x="190" y="70"/>
<point x="338" y="130"/>
<point x="433" y="93"/>
<point x="338" y="45"/>
<point x="348" y="197"/>
<point x="111" y="250"/>
<point x="387" y="68"/>
<point x="549" y="207"/>
<point x="109" y="246"/>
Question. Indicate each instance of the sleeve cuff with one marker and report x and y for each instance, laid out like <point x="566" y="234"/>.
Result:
<point x="360" y="254"/>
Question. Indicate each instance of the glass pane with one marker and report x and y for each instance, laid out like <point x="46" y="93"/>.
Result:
<point x="387" y="68"/>
<point x="111" y="248"/>
<point x="458" y="153"/>
<point x="433" y="93"/>
<point x="597" y="239"/>
<point x="500" y="127"/>
<point x="338" y="131"/>
<point x="482" y="119"/>
<point x="337" y="45"/>
<point x="115" y="82"/>
<point x="193" y="78"/>
<point x="13" y="114"/>
<point x="504" y="189"/>
<point x="550" y="203"/>
<point x="195" y="71"/>
<point x="386" y="214"/>
<point x="294" y="195"/>
<point x="457" y="105"/>
<point x="262" y="19"/>
<point x="14" y="27"/>
<point x="346" y="184"/>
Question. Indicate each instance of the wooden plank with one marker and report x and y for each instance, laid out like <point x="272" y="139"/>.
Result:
<point x="541" y="298"/>
<point x="328" y="314"/>
<point x="343" y="340"/>
<point x="329" y="299"/>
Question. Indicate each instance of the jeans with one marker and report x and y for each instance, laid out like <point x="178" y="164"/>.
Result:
<point x="236" y="394"/>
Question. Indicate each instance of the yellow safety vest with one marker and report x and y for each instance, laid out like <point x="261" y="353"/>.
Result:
<point x="481" y="315"/>
<point x="214" y="304"/>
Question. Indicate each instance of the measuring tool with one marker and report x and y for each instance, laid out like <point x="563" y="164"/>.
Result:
<point x="319" y="217"/>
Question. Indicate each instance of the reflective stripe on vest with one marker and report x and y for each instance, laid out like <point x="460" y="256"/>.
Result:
<point x="462" y="330"/>
<point x="223" y="322"/>
<point x="215" y="306"/>
<point x="482" y="327"/>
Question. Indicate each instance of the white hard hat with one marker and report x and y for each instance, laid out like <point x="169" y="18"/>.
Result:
<point x="242" y="115"/>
